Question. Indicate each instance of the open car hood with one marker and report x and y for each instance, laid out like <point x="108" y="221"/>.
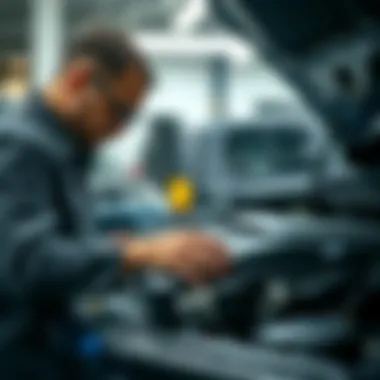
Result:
<point x="328" y="49"/>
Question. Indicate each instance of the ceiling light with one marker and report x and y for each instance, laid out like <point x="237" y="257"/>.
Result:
<point x="192" y="15"/>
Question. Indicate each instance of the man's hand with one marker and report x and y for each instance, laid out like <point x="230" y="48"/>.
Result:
<point x="191" y="255"/>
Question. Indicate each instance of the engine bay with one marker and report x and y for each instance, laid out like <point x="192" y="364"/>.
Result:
<point x="301" y="284"/>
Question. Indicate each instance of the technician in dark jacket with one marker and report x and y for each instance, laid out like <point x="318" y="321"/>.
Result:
<point x="49" y="250"/>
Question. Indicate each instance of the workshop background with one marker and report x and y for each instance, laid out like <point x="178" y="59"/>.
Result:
<point x="226" y="145"/>
<point x="203" y="72"/>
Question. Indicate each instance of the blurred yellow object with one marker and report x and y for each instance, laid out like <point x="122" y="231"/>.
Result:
<point x="14" y="78"/>
<point x="13" y="90"/>
<point x="181" y="195"/>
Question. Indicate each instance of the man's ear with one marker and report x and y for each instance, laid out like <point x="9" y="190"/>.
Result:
<point x="79" y="74"/>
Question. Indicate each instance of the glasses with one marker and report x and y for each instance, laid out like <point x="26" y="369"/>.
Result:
<point x="119" y="111"/>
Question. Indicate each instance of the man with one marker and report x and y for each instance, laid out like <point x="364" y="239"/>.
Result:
<point x="49" y="249"/>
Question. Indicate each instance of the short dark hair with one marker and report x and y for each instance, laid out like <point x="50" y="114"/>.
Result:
<point x="110" y="48"/>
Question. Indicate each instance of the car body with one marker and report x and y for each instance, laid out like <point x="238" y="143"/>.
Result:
<point x="328" y="51"/>
<point x="257" y="162"/>
<point x="270" y="161"/>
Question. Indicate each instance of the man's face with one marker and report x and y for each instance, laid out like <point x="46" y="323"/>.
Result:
<point x="103" y="104"/>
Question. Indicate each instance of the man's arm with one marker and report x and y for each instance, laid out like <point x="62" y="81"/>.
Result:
<point x="37" y="262"/>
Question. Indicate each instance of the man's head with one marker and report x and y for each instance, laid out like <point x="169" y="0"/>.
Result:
<point x="101" y="84"/>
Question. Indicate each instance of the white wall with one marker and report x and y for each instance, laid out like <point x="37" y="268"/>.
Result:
<point x="182" y="88"/>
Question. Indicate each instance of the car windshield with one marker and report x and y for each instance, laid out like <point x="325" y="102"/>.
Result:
<point x="262" y="151"/>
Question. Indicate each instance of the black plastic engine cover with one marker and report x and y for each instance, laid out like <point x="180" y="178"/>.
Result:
<point x="168" y="356"/>
<point x="329" y="334"/>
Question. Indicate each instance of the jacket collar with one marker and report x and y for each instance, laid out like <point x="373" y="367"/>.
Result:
<point x="60" y="130"/>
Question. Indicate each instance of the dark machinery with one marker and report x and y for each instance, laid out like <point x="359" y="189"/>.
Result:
<point x="321" y="285"/>
<point x="324" y="274"/>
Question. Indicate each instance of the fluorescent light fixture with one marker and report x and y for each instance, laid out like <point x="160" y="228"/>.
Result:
<point x="240" y="52"/>
<point x="193" y="13"/>
<point x="190" y="46"/>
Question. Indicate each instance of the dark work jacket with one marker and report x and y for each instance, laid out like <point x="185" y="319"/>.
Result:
<point x="49" y="249"/>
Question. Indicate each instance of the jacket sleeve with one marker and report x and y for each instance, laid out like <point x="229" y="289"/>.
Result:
<point x="37" y="262"/>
